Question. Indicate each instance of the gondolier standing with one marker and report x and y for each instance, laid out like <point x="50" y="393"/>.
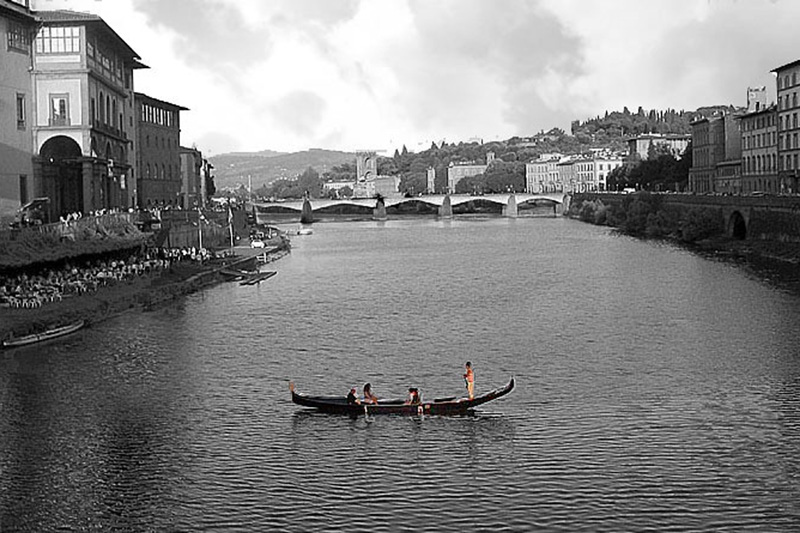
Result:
<point x="469" y="379"/>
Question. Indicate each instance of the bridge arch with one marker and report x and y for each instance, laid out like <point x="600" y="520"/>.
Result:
<point x="737" y="226"/>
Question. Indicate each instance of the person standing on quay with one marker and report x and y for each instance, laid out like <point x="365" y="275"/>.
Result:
<point x="469" y="379"/>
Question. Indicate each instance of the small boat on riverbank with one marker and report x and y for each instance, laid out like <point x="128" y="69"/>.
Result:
<point x="258" y="278"/>
<point x="52" y="333"/>
<point x="439" y="406"/>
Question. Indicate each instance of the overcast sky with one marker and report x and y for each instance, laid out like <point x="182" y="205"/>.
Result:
<point x="289" y="75"/>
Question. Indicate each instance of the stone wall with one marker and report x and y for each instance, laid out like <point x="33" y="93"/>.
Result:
<point x="768" y="218"/>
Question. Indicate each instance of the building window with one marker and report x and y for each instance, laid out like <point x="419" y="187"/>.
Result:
<point x="21" y="112"/>
<point x="58" y="40"/>
<point x="23" y="189"/>
<point x="19" y="39"/>
<point x="59" y="110"/>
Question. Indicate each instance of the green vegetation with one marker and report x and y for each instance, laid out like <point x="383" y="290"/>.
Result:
<point x="644" y="214"/>
<point x="661" y="171"/>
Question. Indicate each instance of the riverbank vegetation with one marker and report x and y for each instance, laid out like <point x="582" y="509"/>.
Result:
<point x="644" y="214"/>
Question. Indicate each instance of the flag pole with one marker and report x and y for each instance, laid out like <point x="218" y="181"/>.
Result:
<point x="200" y="227"/>
<point x="230" y="223"/>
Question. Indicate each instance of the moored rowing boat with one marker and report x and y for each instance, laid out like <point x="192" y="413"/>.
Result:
<point x="52" y="333"/>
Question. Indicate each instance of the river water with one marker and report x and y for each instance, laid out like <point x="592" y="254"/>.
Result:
<point x="656" y="391"/>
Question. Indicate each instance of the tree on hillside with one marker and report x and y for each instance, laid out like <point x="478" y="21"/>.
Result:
<point x="413" y="183"/>
<point x="310" y="183"/>
<point x="471" y="185"/>
<point x="343" y="172"/>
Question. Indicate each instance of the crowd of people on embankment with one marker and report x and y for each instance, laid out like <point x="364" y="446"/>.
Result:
<point x="37" y="288"/>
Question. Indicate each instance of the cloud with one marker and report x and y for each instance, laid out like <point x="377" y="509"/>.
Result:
<point x="212" y="34"/>
<point x="299" y="112"/>
<point x="348" y="74"/>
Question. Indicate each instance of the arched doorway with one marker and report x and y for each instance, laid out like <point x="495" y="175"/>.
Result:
<point x="737" y="227"/>
<point x="62" y="175"/>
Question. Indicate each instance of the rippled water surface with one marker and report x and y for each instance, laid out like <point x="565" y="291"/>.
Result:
<point x="656" y="391"/>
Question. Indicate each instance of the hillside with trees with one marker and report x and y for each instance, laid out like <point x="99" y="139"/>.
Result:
<point x="232" y="170"/>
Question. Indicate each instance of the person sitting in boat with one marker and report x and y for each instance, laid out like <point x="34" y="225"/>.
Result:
<point x="414" y="397"/>
<point x="351" y="397"/>
<point x="369" y="397"/>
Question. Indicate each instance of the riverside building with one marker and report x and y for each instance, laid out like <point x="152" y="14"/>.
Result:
<point x="541" y="175"/>
<point x="641" y="146"/>
<point x="68" y="120"/>
<point x="83" y="126"/>
<point x="759" y="150"/>
<point x="458" y="171"/>
<point x="788" y="85"/>
<point x="158" y="158"/>
<point x="17" y="28"/>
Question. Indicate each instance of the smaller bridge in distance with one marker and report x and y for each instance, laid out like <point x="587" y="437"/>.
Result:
<point x="440" y="204"/>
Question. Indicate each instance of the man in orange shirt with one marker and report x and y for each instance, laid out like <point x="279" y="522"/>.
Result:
<point x="469" y="379"/>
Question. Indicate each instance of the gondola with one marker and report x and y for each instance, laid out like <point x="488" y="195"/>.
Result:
<point x="439" y="406"/>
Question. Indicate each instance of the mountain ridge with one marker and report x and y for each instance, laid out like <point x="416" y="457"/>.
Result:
<point x="235" y="169"/>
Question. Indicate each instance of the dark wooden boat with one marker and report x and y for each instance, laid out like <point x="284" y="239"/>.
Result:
<point x="439" y="406"/>
<point x="258" y="278"/>
<point x="53" y="333"/>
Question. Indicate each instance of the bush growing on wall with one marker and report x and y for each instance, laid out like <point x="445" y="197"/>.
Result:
<point x="699" y="223"/>
<point x="646" y="215"/>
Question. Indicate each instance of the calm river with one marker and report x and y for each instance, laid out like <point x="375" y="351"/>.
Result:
<point x="656" y="391"/>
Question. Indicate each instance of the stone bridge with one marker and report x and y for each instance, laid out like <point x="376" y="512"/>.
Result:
<point x="436" y="204"/>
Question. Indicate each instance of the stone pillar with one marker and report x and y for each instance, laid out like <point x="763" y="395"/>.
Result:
<point x="307" y="214"/>
<point x="89" y="186"/>
<point x="379" y="213"/>
<point x="446" y="210"/>
<point x="510" y="210"/>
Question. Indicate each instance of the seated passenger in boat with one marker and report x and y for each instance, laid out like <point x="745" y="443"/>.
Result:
<point x="351" y="396"/>
<point x="369" y="397"/>
<point x="414" y="397"/>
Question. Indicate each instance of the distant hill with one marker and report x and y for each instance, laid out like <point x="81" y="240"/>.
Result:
<point x="233" y="169"/>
